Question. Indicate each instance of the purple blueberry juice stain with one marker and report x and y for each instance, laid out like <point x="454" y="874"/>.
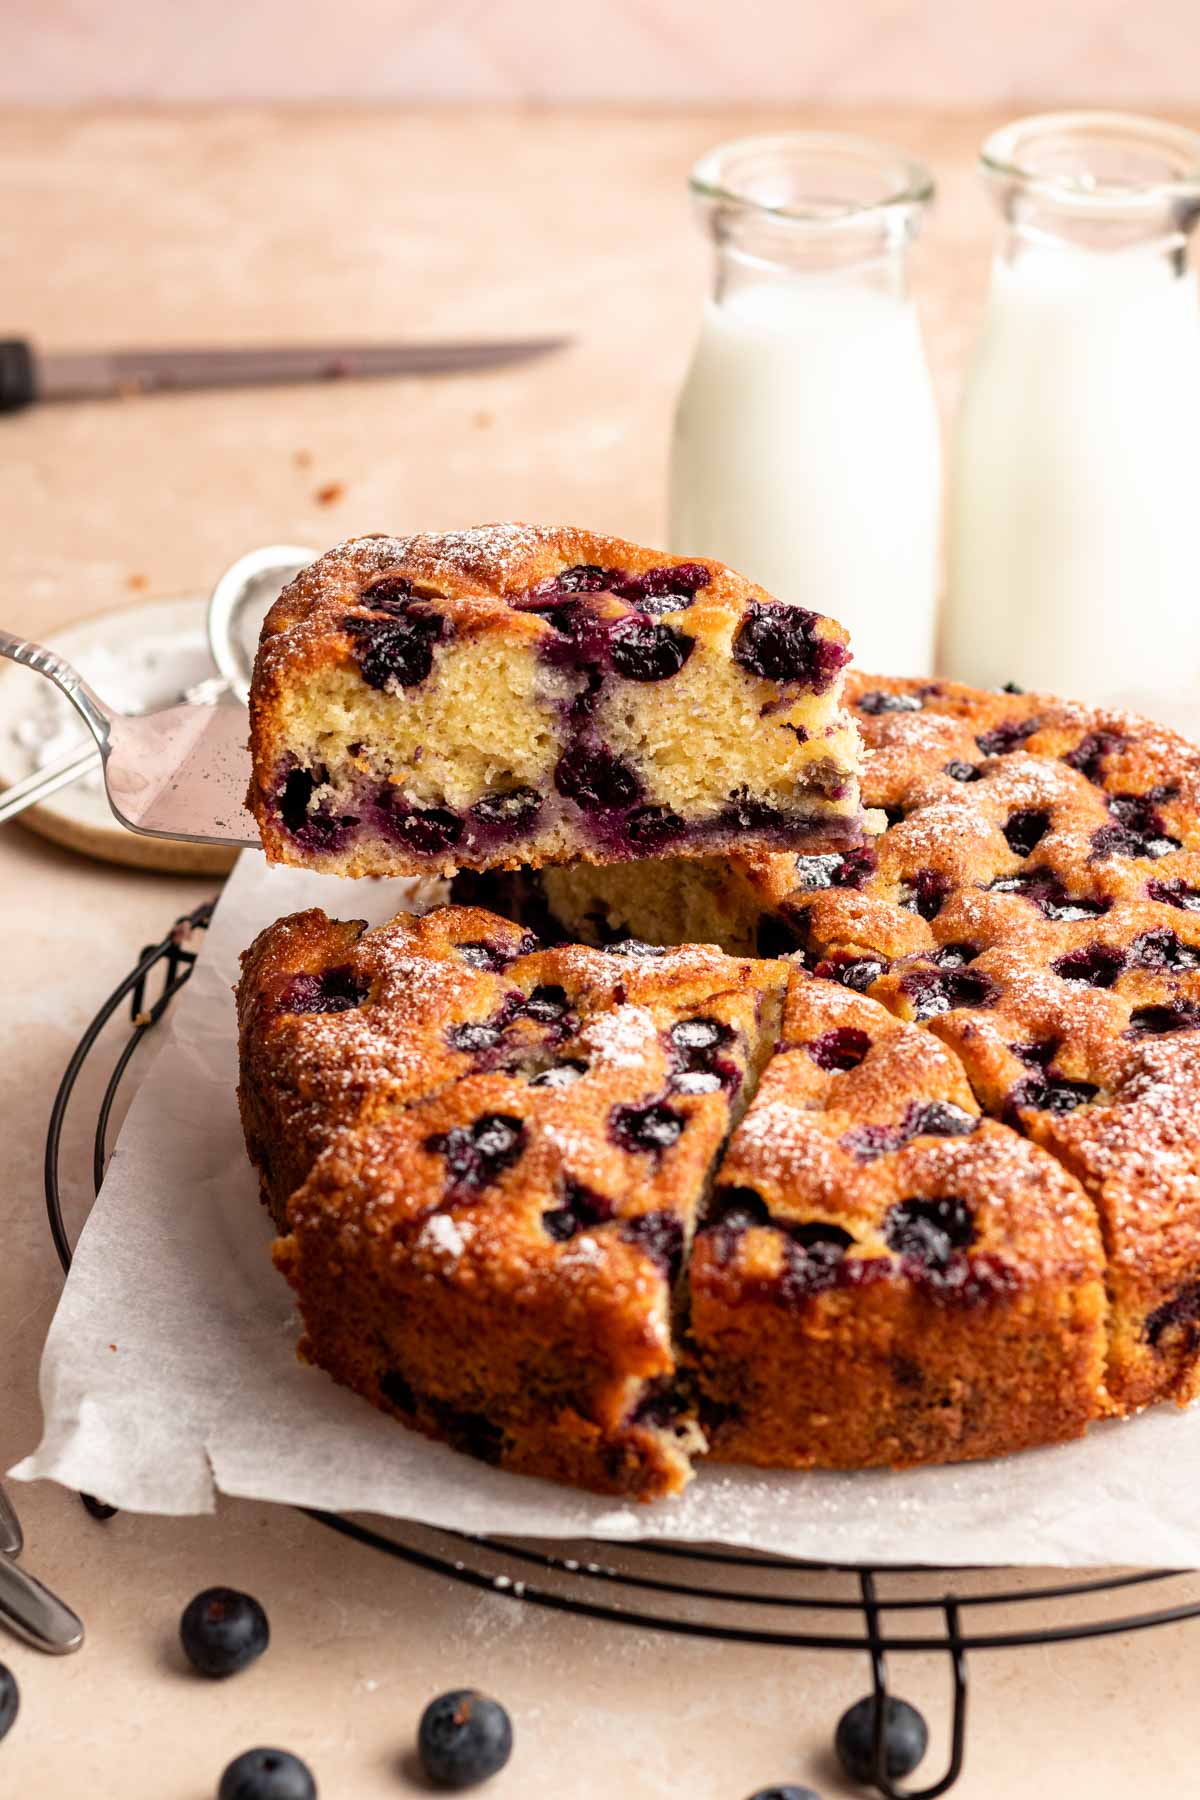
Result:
<point x="582" y="1209"/>
<point x="782" y="643"/>
<point x="1003" y="739"/>
<point x="423" y="831"/>
<point x="1096" y="965"/>
<point x="1157" y="1021"/>
<point x="841" y="1049"/>
<point x="312" y="829"/>
<point x="332" y="991"/>
<point x="660" y="1235"/>
<point x="1090" y="753"/>
<point x="500" y="816"/>
<point x="648" y="828"/>
<point x="1175" y="892"/>
<point x="1182" y="1310"/>
<point x="596" y="779"/>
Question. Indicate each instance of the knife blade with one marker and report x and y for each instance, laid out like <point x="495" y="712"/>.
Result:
<point x="28" y="375"/>
<point x="29" y="1609"/>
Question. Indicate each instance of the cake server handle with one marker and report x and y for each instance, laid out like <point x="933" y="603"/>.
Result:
<point x="35" y="1614"/>
<point x="96" y="716"/>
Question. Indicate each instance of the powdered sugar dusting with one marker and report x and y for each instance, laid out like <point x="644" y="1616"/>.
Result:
<point x="622" y="1039"/>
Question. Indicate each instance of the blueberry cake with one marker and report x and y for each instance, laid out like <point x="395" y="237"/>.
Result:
<point x="486" y="1162"/>
<point x="1034" y="907"/>
<point x="520" y="695"/>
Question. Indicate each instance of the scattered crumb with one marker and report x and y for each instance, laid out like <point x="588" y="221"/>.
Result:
<point x="330" y="494"/>
<point x="139" y="583"/>
<point x="303" y="459"/>
<point x="482" y="420"/>
<point x="112" y="1346"/>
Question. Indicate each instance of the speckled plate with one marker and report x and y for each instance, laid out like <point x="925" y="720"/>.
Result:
<point x="138" y="658"/>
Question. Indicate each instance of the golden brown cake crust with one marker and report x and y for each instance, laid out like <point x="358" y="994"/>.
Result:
<point x="517" y="693"/>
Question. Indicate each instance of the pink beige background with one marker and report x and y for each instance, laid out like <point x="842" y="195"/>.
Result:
<point x="685" y="52"/>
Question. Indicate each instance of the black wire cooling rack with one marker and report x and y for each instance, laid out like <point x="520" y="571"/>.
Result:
<point x="702" y="1592"/>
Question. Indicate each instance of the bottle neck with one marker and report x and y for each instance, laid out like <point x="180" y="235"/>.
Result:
<point x="877" y="265"/>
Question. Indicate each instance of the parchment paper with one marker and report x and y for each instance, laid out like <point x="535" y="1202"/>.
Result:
<point x="170" y="1370"/>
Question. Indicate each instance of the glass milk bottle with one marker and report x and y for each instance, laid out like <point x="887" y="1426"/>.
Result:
<point x="806" y="449"/>
<point x="1076" y="475"/>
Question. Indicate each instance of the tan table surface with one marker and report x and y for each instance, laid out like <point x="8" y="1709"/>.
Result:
<point x="269" y="224"/>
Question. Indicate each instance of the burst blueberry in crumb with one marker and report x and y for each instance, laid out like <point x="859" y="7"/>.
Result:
<point x="840" y="1049"/>
<point x="962" y="771"/>
<point x="1181" y="1311"/>
<point x="926" y="893"/>
<point x="1025" y="829"/>
<point x="1052" y="1093"/>
<point x="879" y="701"/>
<point x="581" y="1209"/>
<point x="1161" y="950"/>
<point x="560" y="1075"/>
<point x="478" y="1154"/>
<point x="332" y="991"/>
<point x="463" y="1739"/>
<point x="1175" y="892"/>
<point x="660" y="1235"/>
<point x="595" y="778"/>
<point x="905" y="1739"/>
<point x="511" y="812"/>
<point x="649" y="1128"/>
<point x="223" y="1631"/>
<point x="929" y="1230"/>
<point x="396" y="651"/>
<point x="1157" y="1021"/>
<point x="782" y="643"/>
<point x="1096" y="965"/>
<point x="643" y="652"/>
<point x="1002" y="740"/>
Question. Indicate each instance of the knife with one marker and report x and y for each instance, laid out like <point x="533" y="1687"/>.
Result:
<point x="28" y="374"/>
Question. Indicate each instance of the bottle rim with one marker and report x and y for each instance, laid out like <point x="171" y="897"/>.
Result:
<point x="753" y="174"/>
<point x="1047" y="154"/>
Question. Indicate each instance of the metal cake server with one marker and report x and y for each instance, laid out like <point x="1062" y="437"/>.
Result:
<point x="178" y="773"/>
<point x="27" y="1607"/>
<point x="182" y="772"/>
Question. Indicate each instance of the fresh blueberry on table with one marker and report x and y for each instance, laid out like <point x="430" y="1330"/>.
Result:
<point x="223" y="1631"/>
<point x="267" y="1775"/>
<point x="463" y="1739"/>
<point x="905" y="1735"/>
<point x="10" y="1700"/>
<point x="789" y="1792"/>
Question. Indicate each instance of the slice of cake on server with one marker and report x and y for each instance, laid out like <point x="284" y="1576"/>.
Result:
<point x="519" y="694"/>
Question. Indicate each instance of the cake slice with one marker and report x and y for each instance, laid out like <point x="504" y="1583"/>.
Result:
<point x="501" y="1159"/>
<point x="517" y="694"/>
<point x="883" y="1277"/>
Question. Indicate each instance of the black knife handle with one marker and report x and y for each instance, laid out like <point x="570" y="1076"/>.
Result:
<point x="18" y="384"/>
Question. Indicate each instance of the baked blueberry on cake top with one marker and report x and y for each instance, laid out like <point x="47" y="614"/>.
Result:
<point x="516" y="694"/>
